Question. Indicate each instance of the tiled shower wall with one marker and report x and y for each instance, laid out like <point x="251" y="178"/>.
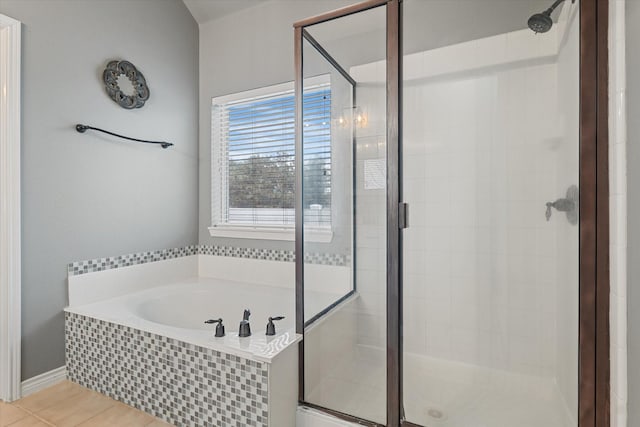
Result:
<point x="567" y="238"/>
<point x="618" y="211"/>
<point x="480" y="258"/>
<point x="487" y="142"/>
<point x="371" y="219"/>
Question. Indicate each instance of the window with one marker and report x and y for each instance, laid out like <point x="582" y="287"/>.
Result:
<point x="253" y="155"/>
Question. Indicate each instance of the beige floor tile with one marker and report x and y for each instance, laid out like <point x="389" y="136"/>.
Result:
<point x="10" y="414"/>
<point x="77" y="409"/>
<point x="30" y="421"/>
<point x="158" y="423"/>
<point x="119" y="415"/>
<point x="69" y="404"/>
<point x="50" y="396"/>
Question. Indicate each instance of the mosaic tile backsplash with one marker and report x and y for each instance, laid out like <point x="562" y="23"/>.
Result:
<point x="181" y="383"/>
<point x="100" y="264"/>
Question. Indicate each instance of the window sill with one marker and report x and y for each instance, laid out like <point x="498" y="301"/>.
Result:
<point x="269" y="233"/>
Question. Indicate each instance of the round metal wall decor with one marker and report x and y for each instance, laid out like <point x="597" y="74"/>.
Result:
<point x="137" y="96"/>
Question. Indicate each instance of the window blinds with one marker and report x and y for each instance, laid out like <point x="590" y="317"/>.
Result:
<point x="254" y="143"/>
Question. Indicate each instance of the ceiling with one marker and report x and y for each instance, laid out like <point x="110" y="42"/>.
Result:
<point x="206" y="10"/>
<point x="487" y="12"/>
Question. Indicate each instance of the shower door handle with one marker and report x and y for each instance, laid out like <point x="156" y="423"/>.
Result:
<point x="403" y="215"/>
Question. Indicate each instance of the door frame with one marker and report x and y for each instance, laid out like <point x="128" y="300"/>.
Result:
<point x="594" y="335"/>
<point x="10" y="230"/>
<point x="594" y="355"/>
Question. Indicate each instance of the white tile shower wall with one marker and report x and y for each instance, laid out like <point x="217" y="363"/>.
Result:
<point x="371" y="216"/>
<point x="618" y="211"/>
<point x="329" y="344"/>
<point x="478" y="259"/>
<point x="482" y="151"/>
<point x="566" y="284"/>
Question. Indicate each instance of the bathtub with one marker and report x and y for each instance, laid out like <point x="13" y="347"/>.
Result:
<point x="178" y="311"/>
<point x="137" y="334"/>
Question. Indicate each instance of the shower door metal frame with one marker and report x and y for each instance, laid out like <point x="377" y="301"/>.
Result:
<point x="594" y="358"/>
<point x="594" y="335"/>
<point x="300" y="34"/>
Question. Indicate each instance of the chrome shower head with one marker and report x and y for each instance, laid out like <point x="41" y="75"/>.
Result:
<point x="542" y="22"/>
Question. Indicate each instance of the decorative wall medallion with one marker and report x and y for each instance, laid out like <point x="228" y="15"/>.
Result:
<point x="125" y="84"/>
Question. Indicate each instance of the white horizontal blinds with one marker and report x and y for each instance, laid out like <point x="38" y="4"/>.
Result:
<point x="317" y="157"/>
<point x="256" y="149"/>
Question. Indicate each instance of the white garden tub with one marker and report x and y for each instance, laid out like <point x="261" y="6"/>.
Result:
<point x="179" y="311"/>
<point x="141" y="328"/>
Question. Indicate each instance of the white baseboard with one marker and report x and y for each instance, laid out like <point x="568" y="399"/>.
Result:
<point x="43" y="381"/>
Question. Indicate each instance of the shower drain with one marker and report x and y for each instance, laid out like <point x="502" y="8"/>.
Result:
<point x="435" y="413"/>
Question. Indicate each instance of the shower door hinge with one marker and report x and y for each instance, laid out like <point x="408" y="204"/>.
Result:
<point x="403" y="215"/>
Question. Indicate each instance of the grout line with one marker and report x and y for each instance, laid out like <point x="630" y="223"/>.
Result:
<point x="114" y="404"/>
<point x="48" y="406"/>
<point x="31" y="414"/>
<point x="99" y="413"/>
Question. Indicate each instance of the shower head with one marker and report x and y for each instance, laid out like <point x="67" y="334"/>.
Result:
<point x="542" y="22"/>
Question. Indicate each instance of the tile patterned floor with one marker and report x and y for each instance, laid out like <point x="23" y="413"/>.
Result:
<point x="67" y="404"/>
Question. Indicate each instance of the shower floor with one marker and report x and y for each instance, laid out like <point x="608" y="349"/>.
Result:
<point x="443" y="393"/>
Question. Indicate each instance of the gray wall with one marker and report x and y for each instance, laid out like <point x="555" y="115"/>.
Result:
<point x="633" y="194"/>
<point x="88" y="196"/>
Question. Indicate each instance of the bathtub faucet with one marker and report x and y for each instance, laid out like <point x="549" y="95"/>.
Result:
<point x="219" y="327"/>
<point x="245" y="328"/>
<point x="271" y="327"/>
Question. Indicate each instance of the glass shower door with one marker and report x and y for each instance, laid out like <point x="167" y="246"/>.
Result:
<point x="490" y="258"/>
<point x="344" y="215"/>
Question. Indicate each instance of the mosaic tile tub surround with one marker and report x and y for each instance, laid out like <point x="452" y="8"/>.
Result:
<point x="181" y="383"/>
<point x="116" y="346"/>
<point x="108" y="263"/>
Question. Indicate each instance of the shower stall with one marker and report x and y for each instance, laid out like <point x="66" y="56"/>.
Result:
<point x="455" y="191"/>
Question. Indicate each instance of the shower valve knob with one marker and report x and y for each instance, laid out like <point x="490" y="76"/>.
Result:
<point x="568" y="205"/>
<point x="547" y="214"/>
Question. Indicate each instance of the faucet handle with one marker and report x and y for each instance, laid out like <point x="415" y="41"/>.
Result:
<point x="568" y="205"/>
<point x="271" y="327"/>
<point x="219" y="327"/>
<point x="246" y="314"/>
<point x="547" y="213"/>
